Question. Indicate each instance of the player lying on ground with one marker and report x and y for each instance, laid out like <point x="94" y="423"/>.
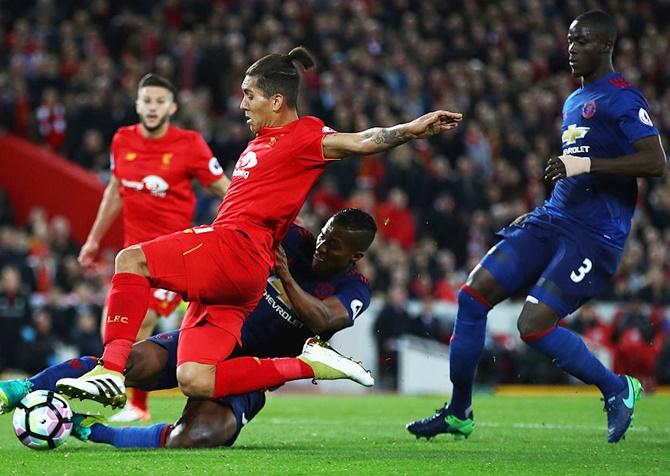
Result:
<point x="320" y="294"/>
<point x="567" y="250"/>
<point x="222" y="269"/>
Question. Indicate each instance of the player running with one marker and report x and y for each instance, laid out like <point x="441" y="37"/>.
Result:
<point x="222" y="269"/>
<point x="567" y="250"/>
<point x="153" y="164"/>
<point x="314" y="290"/>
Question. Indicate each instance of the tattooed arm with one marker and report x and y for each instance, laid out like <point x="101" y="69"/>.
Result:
<point x="379" y="139"/>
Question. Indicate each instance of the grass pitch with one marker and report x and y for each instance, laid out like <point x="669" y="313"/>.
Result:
<point x="335" y="435"/>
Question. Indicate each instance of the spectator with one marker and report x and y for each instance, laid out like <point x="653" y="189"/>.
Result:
<point x="427" y="324"/>
<point x="37" y="349"/>
<point x="15" y="313"/>
<point x="634" y="338"/>
<point x="396" y="221"/>
<point x="391" y="323"/>
<point x="51" y="121"/>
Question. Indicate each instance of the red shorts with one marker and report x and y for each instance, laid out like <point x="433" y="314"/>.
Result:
<point x="164" y="302"/>
<point x="206" y="343"/>
<point x="216" y="266"/>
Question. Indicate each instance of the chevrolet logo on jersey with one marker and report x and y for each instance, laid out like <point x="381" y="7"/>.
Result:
<point x="130" y="156"/>
<point x="572" y="133"/>
<point x="275" y="296"/>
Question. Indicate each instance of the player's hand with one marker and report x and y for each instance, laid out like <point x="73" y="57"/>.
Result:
<point x="88" y="253"/>
<point x="566" y="166"/>
<point x="555" y="170"/>
<point x="281" y="264"/>
<point x="434" y="123"/>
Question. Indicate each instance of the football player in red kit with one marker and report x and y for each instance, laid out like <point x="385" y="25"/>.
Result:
<point x="222" y="269"/>
<point x="153" y="164"/>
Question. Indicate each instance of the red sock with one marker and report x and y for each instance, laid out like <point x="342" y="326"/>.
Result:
<point x="138" y="399"/>
<point x="127" y="306"/>
<point x="248" y="374"/>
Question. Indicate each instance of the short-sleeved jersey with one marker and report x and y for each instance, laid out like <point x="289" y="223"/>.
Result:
<point x="601" y="120"/>
<point x="155" y="179"/>
<point x="273" y="329"/>
<point x="271" y="181"/>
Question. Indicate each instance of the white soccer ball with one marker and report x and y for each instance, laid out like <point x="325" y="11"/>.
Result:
<point x="42" y="420"/>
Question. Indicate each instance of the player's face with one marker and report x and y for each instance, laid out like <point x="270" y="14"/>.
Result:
<point x="155" y="106"/>
<point x="584" y="49"/>
<point x="333" y="253"/>
<point x="257" y="108"/>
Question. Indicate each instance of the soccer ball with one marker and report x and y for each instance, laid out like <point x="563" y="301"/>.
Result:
<point x="42" y="420"/>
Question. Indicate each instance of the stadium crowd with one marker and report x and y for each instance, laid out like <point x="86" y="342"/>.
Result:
<point x="68" y="73"/>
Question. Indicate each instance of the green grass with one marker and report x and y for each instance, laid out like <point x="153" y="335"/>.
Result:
<point x="311" y="435"/>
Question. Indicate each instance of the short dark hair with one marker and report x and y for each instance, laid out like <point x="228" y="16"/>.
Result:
<point x="277" y="74"/>
<point x="152" y="79"/>
<point x="359" y="222"/>
<point x="603" y="22"/>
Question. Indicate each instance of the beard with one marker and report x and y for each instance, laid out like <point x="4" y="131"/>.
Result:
<point x="158" y="125"/>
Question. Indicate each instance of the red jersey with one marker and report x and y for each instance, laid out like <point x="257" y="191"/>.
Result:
<point x="271" y="181"/>
<point x="155" y="179"/>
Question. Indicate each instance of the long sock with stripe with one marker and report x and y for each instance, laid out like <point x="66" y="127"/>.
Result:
<point x="467" y="343"/>
<point x="47" y="378"/>
<point x="131" y="436"/>
<point x="570" y="353"/>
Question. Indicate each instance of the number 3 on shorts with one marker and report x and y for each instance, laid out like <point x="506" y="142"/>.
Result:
<point x="583" y="270"/>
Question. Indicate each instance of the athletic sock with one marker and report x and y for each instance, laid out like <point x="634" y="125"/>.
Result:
<point x="47" y="378"/>
<point x="131" y="436"/>
<point x="465" y="349"/>
<point x="247" y="374"/>
<point x="128" y="303"/>
<point x="138" y="399"/>
<point x="570" y="353"/>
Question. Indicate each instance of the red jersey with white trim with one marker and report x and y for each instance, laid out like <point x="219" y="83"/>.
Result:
<point x="271" y="181"/>
<point x="155" y="179"/>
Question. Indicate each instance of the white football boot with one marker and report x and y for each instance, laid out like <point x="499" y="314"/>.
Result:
<point x="328" y="364"/>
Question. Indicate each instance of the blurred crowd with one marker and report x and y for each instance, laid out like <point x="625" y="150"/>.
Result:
<point x="69" y="71"/>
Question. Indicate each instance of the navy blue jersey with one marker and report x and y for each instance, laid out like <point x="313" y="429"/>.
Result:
<point x="601" y="120"/>
<point x="272" y="329"/>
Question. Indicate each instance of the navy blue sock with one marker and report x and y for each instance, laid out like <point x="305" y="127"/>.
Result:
<point x="130" y="436"/>
<point x="570" y="353"/>
<point x="466" y="347"/>
<point x="47" y="378"/>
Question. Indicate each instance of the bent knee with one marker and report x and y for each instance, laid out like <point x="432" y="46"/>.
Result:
<point x="195" y="380"/>
<point x="131" y="260"/>
<point x="536" y="319"/>
<point x="526" y="326"/>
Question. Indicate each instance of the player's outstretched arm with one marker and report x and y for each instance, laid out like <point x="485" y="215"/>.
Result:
<point x="379" y="139"/>
<point x="648" y="161"/>
<point x="109" y="209"/>
<point x="320" y="316"/>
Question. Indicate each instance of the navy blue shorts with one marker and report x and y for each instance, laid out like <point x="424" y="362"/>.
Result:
<point x="563" y="265"/>
<point x="245" y="407"/>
